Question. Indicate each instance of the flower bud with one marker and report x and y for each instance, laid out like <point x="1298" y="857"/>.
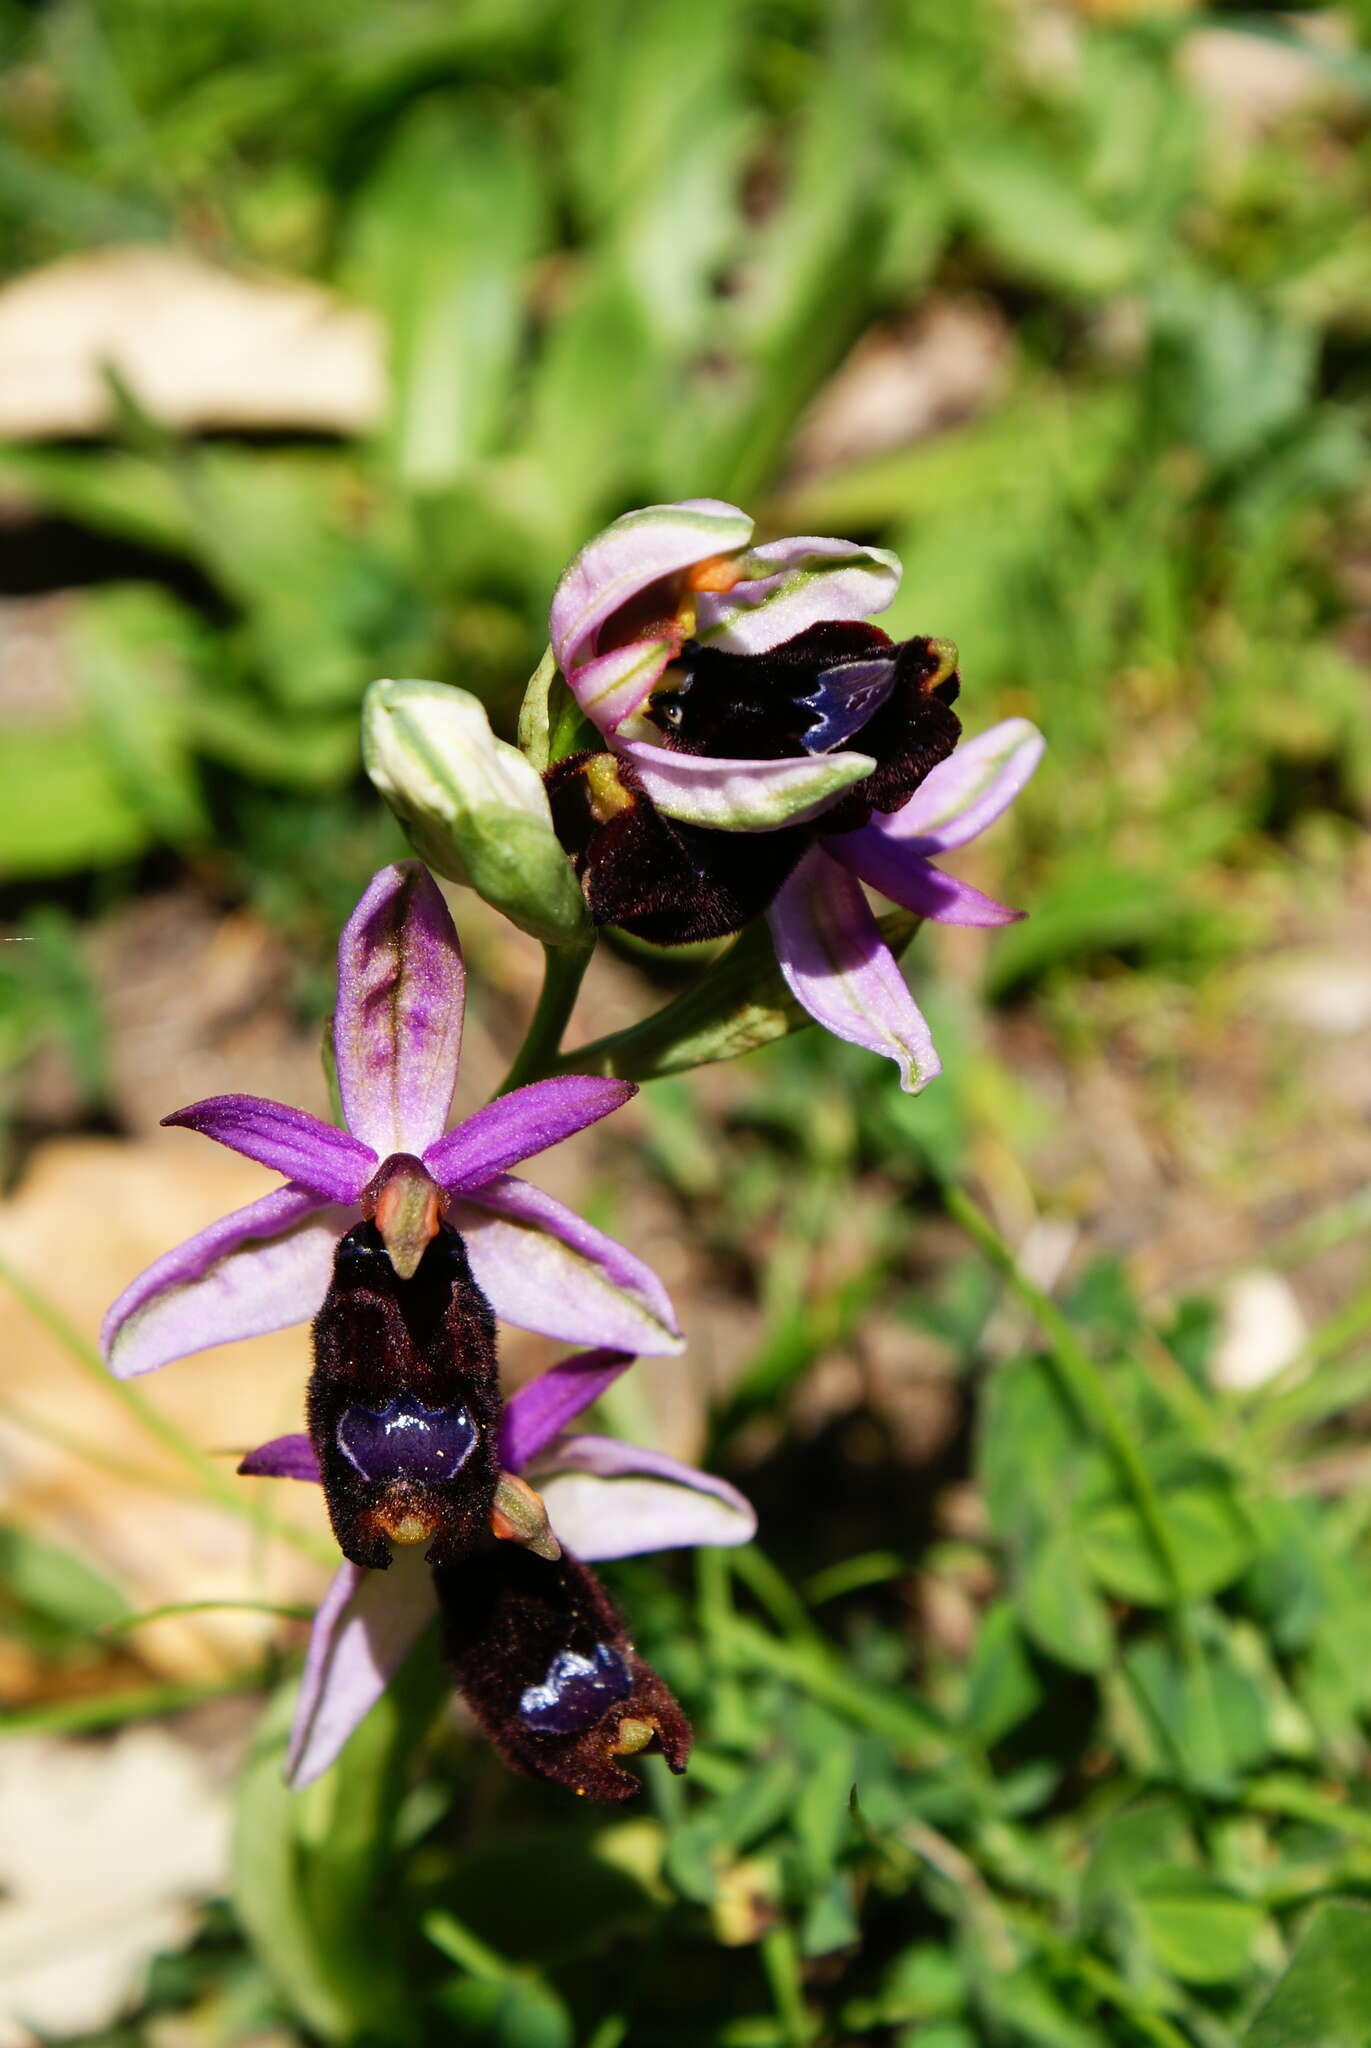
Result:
<point x="473" y="807"/>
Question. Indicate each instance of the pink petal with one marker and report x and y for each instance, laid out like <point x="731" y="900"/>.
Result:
<point x="968" y="791"/>
<point x="367" y="1624"/>
<point x="612" y="686"/>
<point x="629" y="557"/>
<point x="892" y="866"/>
<point x="797" y="583"/>
<point x="836" y="963"/>
<point x="538" y="1411"/>
<point x="316" y="1154"/>
<point x="515" y="1126"/>
<point x="743" y="796"/>
<point x="397" y="1030"/>
<point x="285" y="1457"/>
<point x="262" y="1268"/>
<point x="542" y="1267"/>
<point x="610" y="1499"/>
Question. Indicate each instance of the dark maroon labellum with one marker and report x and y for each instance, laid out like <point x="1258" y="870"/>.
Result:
<point x="404" y="1401"/>
<point x="539" y="1651"/>
<point x="832" y="689"/>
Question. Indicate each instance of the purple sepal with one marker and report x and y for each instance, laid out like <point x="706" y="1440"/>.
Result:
<point x="542" y="1267"/>
<point x="835" y="962"/>
<point x="914" y="883"/>
<point x="544" y="1407"/>
<point x="397" y="1029"/>
<point x="314" y="1154"/>
<point x="285" y="1457"/>
<point x="367" y="1624"/>
<point x="261" y="1268"/>
<point x="516" y="1126"/>
<point x="968" y="791"/>
<point x="609" y="1499"/>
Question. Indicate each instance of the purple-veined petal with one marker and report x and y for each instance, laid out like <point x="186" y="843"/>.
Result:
<point x="542" y="1267"/>
<point x="613" y="686"/>
<point x="542" y="1409"/>
<point x="891" y="866"/>
<point x="610" y="1499"/>
<point x="367" y="1624"/>
<point x="794" y="584"/>
<point x="285" y="1457"/>
<point x="629" y="557"/>
<point x="743" y="796"/>
<point x="304" y="1149"/>
<point x="968" y="791"/>
<point x="835" y="962"/>
<point x="262" y="1268"/>
<point x="515" y="1126"/>
<point x="397" y="1030"/>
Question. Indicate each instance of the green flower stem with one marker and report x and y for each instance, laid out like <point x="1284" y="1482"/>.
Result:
<point x="563" y="972"/>
<point x="1081" y="1381"/>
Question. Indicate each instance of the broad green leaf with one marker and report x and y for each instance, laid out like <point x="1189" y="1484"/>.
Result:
<point x="1211" y="1541"/>
<point x="1201" y="1718"/>
<point x="1003" y="1688"/>
<point x="1324" y="1998"/>
<point x="1200" y="1930"/>
<point x="1059" y="1607"/>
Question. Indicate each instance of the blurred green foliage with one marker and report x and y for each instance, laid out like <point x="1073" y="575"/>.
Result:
<point x="617" y="251"/>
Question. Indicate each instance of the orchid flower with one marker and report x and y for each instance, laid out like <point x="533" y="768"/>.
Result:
<point x="740" y="691"/>
<point x="397" y="1037"/>
<point x="560" y="1691"/>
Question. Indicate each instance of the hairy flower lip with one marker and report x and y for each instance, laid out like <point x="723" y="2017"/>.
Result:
<point x="368" y="1621"/>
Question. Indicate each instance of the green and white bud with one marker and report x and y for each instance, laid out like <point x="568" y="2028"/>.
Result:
<point x="474" y="809"/>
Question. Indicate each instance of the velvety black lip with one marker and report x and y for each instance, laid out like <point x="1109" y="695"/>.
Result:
<point x="515" y="1626"/>
<point x="673" y="883"/>
<point x="428" y="1344"/>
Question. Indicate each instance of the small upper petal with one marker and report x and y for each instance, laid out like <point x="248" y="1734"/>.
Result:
<point x="515" y="1126"/>
<point x="397" y="1029"/>
<point x="316" y="1154"/>
<point x="793" y="584"/>
<point x="610" y="1499"/>
<point x="631" y="555"/>
<point x="968" y="791"/>
<point x="892" y="866"/>
<point x="543" y="1408"/>
<point x="835" y="962"/>
<point x="542" y="1267"/>
<point x="367" y="1624"/>
<point x="743" y="796"/>
<point x="610" y="687"/>
<point x="263" y="1268"/>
